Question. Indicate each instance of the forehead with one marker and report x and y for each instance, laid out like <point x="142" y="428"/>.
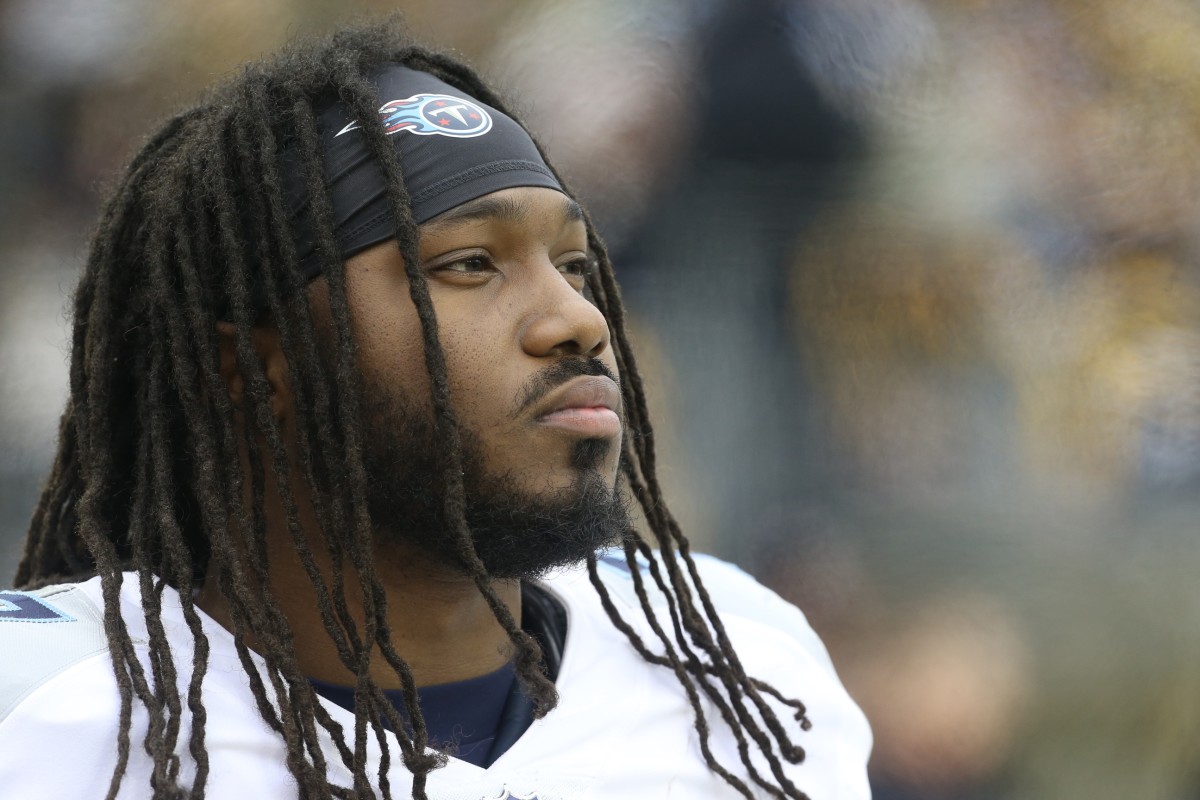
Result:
<point x="516" y="206"/>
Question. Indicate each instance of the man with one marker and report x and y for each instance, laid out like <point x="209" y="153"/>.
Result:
<point x="341" y="450"/>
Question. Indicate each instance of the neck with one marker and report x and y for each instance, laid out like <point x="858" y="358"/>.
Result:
<point x="439" y="623"/>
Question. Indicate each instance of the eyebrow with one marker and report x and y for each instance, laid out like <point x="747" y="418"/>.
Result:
<point x="502" y="209"/>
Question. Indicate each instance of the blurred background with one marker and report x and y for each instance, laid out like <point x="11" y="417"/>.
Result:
<point x="916" y="285"/>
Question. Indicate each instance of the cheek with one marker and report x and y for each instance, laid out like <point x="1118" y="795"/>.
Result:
<point x="482" y="376"/>
<point x="478" y="358"/>
<point x="390" y="352"/>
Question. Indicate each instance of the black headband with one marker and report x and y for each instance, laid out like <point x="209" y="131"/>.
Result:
<point x="451" y="147"/>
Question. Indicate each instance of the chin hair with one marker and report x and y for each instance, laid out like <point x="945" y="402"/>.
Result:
<point x="589" y="454"/>
<point x="516" y="534"/>
<point x="521" y="538"/>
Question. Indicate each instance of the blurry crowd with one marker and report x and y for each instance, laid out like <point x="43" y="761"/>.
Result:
<point x="916" y="289"/>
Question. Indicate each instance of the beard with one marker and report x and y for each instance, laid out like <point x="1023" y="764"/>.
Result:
<point x="516" y="534"/>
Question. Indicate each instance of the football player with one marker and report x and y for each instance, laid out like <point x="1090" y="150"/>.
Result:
<point x="339" y="503"/>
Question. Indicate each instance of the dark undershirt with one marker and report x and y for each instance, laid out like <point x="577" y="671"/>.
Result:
<point x="478" y="719"/>
<point x="462" y="717"/>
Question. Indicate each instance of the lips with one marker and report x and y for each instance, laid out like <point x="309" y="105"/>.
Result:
<point x="586" y="405"/>
<point x="586" y="391"/>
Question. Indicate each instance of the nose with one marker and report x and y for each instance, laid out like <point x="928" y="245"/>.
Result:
<point x="562" y="322"/>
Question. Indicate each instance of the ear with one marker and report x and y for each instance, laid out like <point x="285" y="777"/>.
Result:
<point x="268" y="348"/>
<point x="227" y="352"/>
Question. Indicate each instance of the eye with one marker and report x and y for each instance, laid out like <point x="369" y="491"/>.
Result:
<point x="468" y="265"/>
<point x="577" y="269"/>
<point x="467" y="269"/>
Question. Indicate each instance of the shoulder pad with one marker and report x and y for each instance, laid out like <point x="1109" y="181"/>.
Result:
<point x="43" y="633"/>
<point x="734" y="593"/>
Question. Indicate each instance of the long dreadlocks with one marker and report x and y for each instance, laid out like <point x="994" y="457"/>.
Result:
<point x="148" y="475"/>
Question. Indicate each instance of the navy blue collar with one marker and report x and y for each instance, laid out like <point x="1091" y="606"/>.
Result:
<point x="479" y="719"/>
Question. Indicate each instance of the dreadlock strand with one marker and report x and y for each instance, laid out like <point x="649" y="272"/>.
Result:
<point x="177" y="553"/>
<point x="801" y="713"/>
<point x="699" y="633"/>
<point x="51" y="528"/>
<point x="723" y="647"/>
<point x="378" y="727"/>
<point x="236" y="283"/>
<point x="217" y="450"/>
<point x="341" y="629"/>
<point x="418" y="762"/>
<point x="676" y="665"/>
<point x="360" y="541"/>
<point x="93" y="375"/>
<point x="529" y="661"/>
<point x="657" y="512"/>
<point x="326" y="721"/>
<point x="84" y="384"/>
<point x="413" y="749"/>
<point x="667" y="532"/>
<point x="165" y="535"/>
<point x="362" y="719"/>
<point x="793" y="753"/>
<point x="732" y="711"/>
<point x="634" y="546"/>
<point x="124" y="721"/>
<point x="301" y="693"/>
<point x="284" y="670"/>
<point x="155" y="729"/>
<point x="39" y="544"/>
<point x="604" y="289"/>
<point x="269" y="426"/>
<point x="166" y="705"/>
<point x="163" y="732"/>
<point x="415" y="758"/>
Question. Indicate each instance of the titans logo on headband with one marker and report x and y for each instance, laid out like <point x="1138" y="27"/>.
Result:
<point x="432" y="115"/>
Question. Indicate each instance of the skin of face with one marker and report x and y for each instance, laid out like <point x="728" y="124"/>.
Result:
<point x="506" y="277"/>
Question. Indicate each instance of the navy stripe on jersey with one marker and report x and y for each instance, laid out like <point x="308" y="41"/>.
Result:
<point x="22" y="607"/>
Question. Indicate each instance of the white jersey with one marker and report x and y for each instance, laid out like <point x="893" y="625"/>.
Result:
<point x="623" y="728"/>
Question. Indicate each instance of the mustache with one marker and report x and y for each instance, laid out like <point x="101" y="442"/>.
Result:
<point x="547" y="380"/>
